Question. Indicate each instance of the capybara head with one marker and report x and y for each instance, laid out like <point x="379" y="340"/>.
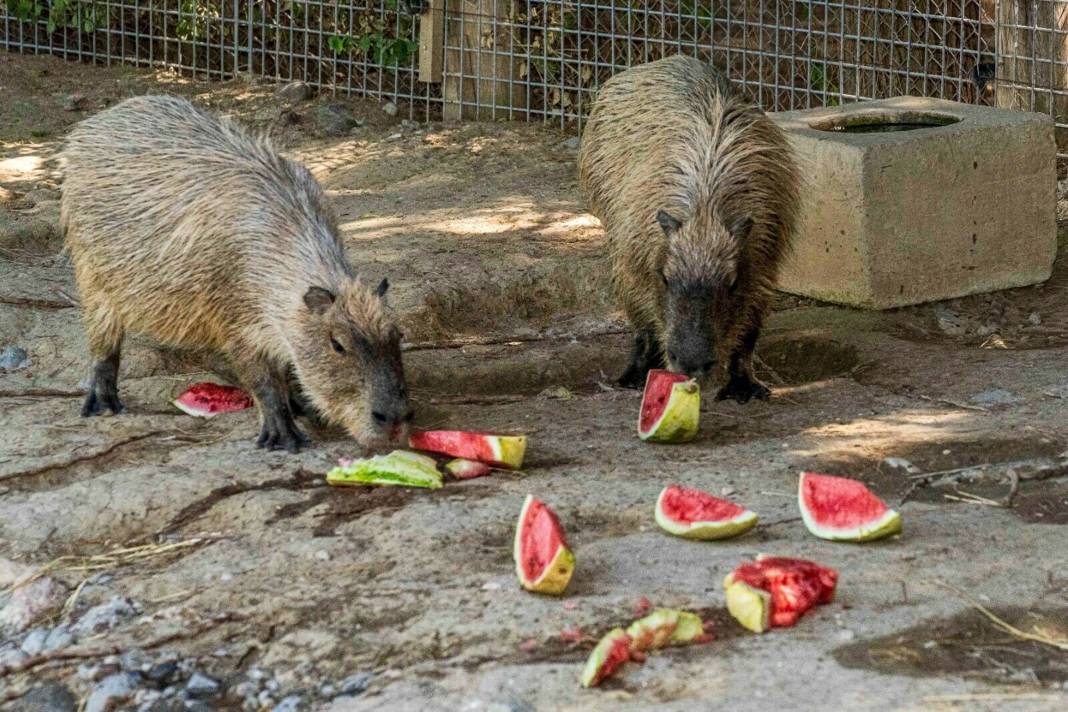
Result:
<point x="701" y="275"/>
<point x="349" y="363"/>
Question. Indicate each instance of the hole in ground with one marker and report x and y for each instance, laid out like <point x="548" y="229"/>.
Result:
<point x="797" y="361"/>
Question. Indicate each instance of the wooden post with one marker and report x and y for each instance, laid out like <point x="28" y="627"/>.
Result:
<point x="480" y="73"/>
<point x="1032" y="59"/>
<point x="432" y="42"/>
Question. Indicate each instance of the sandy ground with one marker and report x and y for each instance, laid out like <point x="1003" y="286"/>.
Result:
<point x="254" y="573"/>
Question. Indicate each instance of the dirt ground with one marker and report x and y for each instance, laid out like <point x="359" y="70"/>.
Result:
<point x="193" y="571"/>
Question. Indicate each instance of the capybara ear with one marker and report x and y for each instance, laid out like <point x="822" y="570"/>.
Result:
<point x="318" y="300"/>
<point x="740" y="227"/>
<point x="382" y="287"/>
<point x="667" y="222"/>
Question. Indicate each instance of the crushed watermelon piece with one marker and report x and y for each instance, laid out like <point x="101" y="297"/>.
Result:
<point x="609" y="655"/>
<point x="776" y="591"/>
<point x="206" y="400"/>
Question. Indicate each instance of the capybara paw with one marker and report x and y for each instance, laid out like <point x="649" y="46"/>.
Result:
<point x="743" y="388"/>
<point x="283" y="436"/>
<point x="95" y="403"/>
<point x="632" y="378"/>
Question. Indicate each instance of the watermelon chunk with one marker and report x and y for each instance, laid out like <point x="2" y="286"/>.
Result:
<point x="463" y="469"/>
<point x="693" y="514"/>
<point x="775" y="591"/>
<point x="608" y="656"/>
<point x="498" y="450"/>
<point x="671" y="408"/>
<point x="543" y="561"/>
<point x="663" y="627"/>
<point x="407" y="469"/>
<point x="206" y="400"/>
<point x="841" y="509"/>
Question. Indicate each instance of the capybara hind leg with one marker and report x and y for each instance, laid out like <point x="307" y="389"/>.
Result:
<point x="742" y="385"/>
<point x="645" y="355"/>
<point x="268" y="384"/>
<point x="105" y="344"/>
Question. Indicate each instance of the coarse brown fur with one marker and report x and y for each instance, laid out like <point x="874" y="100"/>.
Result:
<point x="185" y="228"/>
<point x="698" y="193"/>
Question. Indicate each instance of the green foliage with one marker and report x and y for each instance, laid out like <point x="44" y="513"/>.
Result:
<point x="73" y="14"/>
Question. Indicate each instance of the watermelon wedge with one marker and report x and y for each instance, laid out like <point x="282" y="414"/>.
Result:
<point x="206" y="400"/>
<point x="663" y="627"/>
<point x="775" y="592"/>
<point x="463" y="469"/>
<point x="693" y="514"/>
<point x="497" y="450"/>
<point x="671" y="408"/>
<point x="608" y="656"/>
<point x="543" y="561"/>
<point x="407" y="469"/>
<point x="841" y="509"/>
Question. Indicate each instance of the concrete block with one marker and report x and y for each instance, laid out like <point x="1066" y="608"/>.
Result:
<point x="964" y="204"/>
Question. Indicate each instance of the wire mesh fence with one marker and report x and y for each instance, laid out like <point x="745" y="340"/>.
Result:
<point x="544" y="59"/>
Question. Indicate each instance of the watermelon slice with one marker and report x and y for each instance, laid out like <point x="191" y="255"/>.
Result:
<point x="671" y="408"/>
<point x="608" y="656"/>
<point x="206" y="400"/>
<point x="841" y="509"/>
<point x="693" y="514"/>
<point x="408" y="469"/>
<point x="463" y="469"/>
<point x="543" y="561"/>
<point x="497" y="450"/>
<point x="775" y="591"/>
<point x="665" y="626"/>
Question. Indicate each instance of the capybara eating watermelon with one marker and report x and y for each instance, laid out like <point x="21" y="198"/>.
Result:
<point x="697" y="190"/>
<point x="186" y="229"/>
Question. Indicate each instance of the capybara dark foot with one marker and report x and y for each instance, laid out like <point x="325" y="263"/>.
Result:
<point x="633" y="377"/>
<point x="282" y="434"/>
<point x="742" y="388"/>
<point x="100" y="399"/>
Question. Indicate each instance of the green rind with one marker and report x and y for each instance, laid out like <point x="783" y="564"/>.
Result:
<point x="510" y="450"/>
<point x="750" y="606"/>
<point x="666" y="626"/>
<point x="399" y="467"/>
<point x="599" y="654"/>
<point x="557" y="572"/>
<point x="705" y="531"/>
<point x="690" y="627"/>
<point x="681" y="417"/>
<point x="887" y="525"/>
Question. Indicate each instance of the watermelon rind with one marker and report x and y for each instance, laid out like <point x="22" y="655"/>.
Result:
<point x="400" y="467"/>
<point x="594" y="671"/>
<point x="463" y="469"/>
<point x="501" y="450"/>
<point x="662" y="627"/>
<point x="680" y="419"/>
<point x="195" y="412"/>
<point x="557" y="573"/>
<point x="749" y="605"/>
<point x="191" y="392"/>
<point x="704" y="531"/>
<point x="886" y="525"/>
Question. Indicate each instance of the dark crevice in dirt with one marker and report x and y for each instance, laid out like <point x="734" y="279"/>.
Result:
<point x="1043" y="503"/>
<point x="299" y="479"/>
<point x="970" y="646"/>
<point x="792" y="362"/>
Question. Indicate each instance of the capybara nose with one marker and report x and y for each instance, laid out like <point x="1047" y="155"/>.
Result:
<point x="692" y="366"/>
<point x="395" y="424"/>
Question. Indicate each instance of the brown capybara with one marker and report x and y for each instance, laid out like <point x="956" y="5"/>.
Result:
<point x="184" y="228"/>
<point x="698" y="193"/>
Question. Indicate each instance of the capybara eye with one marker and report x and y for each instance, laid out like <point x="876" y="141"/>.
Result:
<point x="337" y="347"/>
<point x="380" y="417"/>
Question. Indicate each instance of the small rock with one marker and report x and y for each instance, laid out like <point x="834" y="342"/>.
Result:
<point x="394" y="137"/>
<point x="295" y="91"/>
<point x="11" y="656"/>
<point x="30" y="602"/>
<point x="1034" y="319"/>
<point x="72" y="102"/>
<point x="14" y="358"/>
<point x="265" y="699"/>
<point x="58" y="638"/>
<point x="949" y="321"/>
<point x="571" y="144"/>
<point x="334" y="119"/>
<point x="491" y="586"/>
<point x="409" y="125"/>
<point x="163" y="673"/>
<point x="845" y="635"/>
<point x="49" y="697"/>
<point x="390" y="108"/>
<point x="111" y="693"/>
<point x="255" y="673"/>
<point x="322" y="555"/>
<point x="132" y="660"/>
<point x="293" y="703"/>
<point x="103" y="617"/>
<point x="327" y="691"/>
<point x="727" y="492"/>
<point x="901" y="463"/>
<point x="355" y="684"/>
<point x="200" y="686"/>
<point x="995" y="396"/>
<point x="271" y="685"/>
<point x="34" y="642"/>
<point x="557" y="393"/>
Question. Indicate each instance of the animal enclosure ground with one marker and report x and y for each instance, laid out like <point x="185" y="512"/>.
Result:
<point x="250" y="570"/>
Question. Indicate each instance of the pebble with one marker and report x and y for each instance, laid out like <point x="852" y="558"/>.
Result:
<point x="1034" y="319"/>
<point x="58" y="638"/>
<point x="355" y="684"/>
<point x="256" y="673"/>
<point x="163" y="673"/>
<point x="390" y="108"/>
<point x="265" y="699"/>
<point x="49" y="697"/>
<point x="949" y="321"/>
<point x="14" y="358"/>
<point x="295" y="91"/>
<point x="327" y="691"/>
<point x="132" y="660"/>
<point x="293" y="703"/>
<point x="34" y="642"/>
<point x="409" y="124"/>
<point x="103" y="617"/>
<point x="394" y="137"/>
<point x="322" y="555"/>
<point x="11" y="656"/>
<point x="30" y="602"/>
<point x="111" y="692"/>
<point x="845" y="635"/>
<point x="901" y="464"/>
<point x="201" y="685"/>
<point x="334" y="119"/>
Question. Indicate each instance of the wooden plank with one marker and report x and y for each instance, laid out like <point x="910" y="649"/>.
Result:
<point x="482" y="80"/>
<point x="432" y="42"/>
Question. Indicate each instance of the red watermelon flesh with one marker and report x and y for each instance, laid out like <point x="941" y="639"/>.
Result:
<point x="208" y="399"/>
<point x="543" y="560"/>
<point x="839" y="508"/>
<point x="463" y="469"/>
<point x="795" y="585"/>
<point x="497" y="450"/>
<point x="655" y="397"/>
<point x="690" y="505"/>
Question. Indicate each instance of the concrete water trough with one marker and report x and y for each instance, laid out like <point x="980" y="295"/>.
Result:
<point x="910" y="200"/>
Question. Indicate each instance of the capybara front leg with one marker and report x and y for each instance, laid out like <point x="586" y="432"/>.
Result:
<point x="104" y="389"/>
<point x="279" y="431"/>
